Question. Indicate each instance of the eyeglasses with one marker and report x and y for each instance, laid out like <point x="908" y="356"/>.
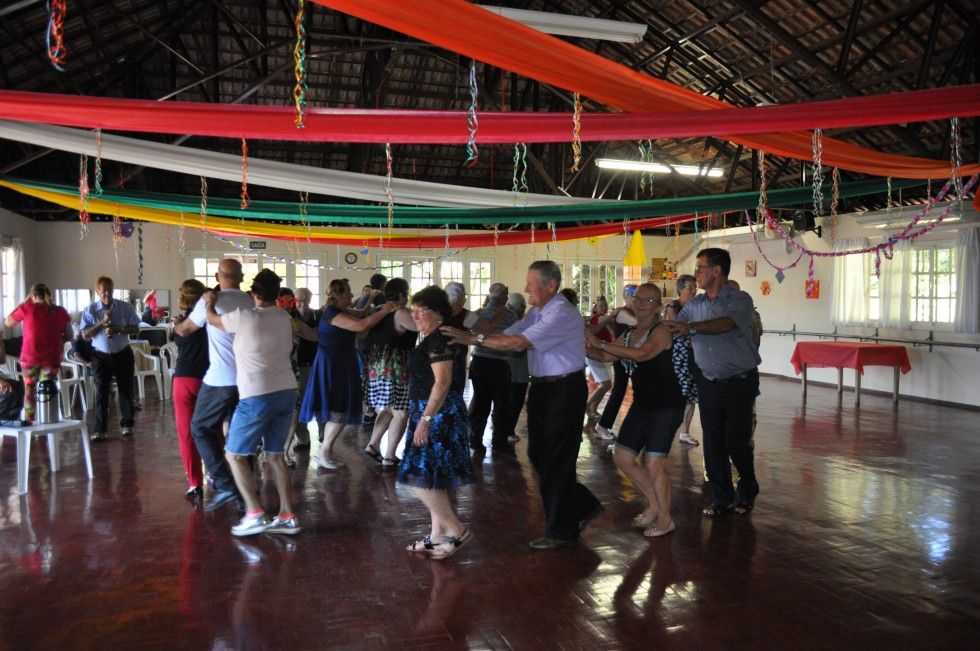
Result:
<point x="698" y="270"/>
<point x="646" y="299"/>
<point x="420" y="311"/>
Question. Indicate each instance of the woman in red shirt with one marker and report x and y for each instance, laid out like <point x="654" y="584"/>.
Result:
<point x="46" y="328"/>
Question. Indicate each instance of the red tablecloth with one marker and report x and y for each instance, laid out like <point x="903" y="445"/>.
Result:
<point x="846" y="354"/>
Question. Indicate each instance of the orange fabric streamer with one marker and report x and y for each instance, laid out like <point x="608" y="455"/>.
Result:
<point x="474" y="32"/>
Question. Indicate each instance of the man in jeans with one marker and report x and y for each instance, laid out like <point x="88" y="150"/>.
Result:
<point x="219" y="392"/>
<point x="107" y="323"/>
<point x="263" y="345"/>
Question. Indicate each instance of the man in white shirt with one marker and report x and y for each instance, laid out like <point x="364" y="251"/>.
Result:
<point x="219" y="393"/>
<point x="263" y="345"/>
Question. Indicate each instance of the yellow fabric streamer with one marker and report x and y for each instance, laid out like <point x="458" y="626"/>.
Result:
<point x="636" y="255"/>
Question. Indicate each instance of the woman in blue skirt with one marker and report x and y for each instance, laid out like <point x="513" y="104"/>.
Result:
<point x="333" y="394"/>
<point x="437" y="457"/>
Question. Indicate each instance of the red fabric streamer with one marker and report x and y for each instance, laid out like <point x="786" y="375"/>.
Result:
<point x="450" y="127"/>
<point x="474" y="32"/>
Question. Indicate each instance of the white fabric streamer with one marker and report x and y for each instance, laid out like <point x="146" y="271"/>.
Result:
<point x="273" y="174"/>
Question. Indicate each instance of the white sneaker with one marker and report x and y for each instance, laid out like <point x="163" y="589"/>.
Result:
<point x="278" y="525"/>
<point x="328" y="464"/>
<point x="251" y="525"/>
<point x="686" y="438"/>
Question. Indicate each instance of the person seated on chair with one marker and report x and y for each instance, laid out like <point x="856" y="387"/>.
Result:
<point x="11" y="398"/>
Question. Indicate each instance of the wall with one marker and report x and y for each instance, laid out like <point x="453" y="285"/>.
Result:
<point x="54" y="254"/>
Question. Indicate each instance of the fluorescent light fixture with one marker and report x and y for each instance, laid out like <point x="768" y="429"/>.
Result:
<point x="898" y="218"/>
<point x="565" y="25"/>
<point x="640" y="166"/>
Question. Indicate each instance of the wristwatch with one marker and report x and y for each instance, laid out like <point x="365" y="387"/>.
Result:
<point x="480" y="338"/>
<point x="602" y="346"/>
<point x="427" y="418"/>
<point x="692" y="331"/>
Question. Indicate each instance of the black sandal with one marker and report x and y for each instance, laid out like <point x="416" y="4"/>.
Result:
<point x="717" y="510"/>
<point x="454" y="542"/>
<point x="421" y="545"/>
<point x="372" y="452"/>
<point x="744" y="508"/>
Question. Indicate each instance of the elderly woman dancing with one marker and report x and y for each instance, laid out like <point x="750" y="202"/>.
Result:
<point x="657" y="409"/>
<point x="436" y="457"/>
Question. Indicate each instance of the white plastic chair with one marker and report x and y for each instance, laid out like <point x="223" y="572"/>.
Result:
<point x="11" y="367"/>
<point x="147" y="366"/>
<point x="168" y="366"/>
<point x="73" y="380"/>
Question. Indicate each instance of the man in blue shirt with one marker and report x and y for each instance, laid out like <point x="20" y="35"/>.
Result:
<point x="720" y="323"/>
<point x="107" y="323"/>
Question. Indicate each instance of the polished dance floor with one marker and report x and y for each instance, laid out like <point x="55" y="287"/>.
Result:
<point x="865" y="534"/>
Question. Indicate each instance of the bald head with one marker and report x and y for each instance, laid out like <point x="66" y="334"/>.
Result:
<point x="229" y="274"/>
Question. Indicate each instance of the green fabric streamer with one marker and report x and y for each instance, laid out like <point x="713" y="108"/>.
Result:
<point x="324" y="213"/>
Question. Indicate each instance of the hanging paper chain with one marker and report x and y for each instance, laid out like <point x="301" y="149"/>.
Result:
<point x="389" y="163"/>
<point x="817" y="140"/>
<point x="519" y="183"/>
<point x="299" y="70"/>
<point x="304" y="220"/>
<point x="646" y="156"/>
<point x="139" y="253"/>
<point x="55" y="34"/>
<point x="98" y="162"/>
<point x="245" y="198"/>
<point x="956" y="156"/>
<point x="181" y="237"/>
<point x="204" y="213"/>
<point x="83" y="217"/>
<point x="884" y="249"/>
<point x="577" y="133"/>
<point x="472" y="153"/>
<point x="834" y="203"/>
<point x="116" y="237"/>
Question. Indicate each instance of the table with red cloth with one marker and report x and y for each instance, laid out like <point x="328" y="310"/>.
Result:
<point x="848" y="354"/>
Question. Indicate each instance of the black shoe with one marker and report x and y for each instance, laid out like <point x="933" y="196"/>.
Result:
<point x="219" y="499"/>
<point x="302" y="447"/>
<point x="591" y="515"/>
<point x="504" y="450"/>
<point x="547" y="544"/>
<point x="194" y="494"/>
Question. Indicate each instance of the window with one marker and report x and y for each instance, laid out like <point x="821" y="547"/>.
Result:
<point x="591" y="282"/>
<point x="308" y="276"/>
<point x="419" y="275"/>
<point x="73" y="300"/>
<point x="933" y="285"/>
<point x="11" y="275"/>
<point x="392" y="269"/>
<point x="450" y="271"/>
<point x="480" y="283"/>
<point x="204" y="269"/>
<point x="631" y="276"/>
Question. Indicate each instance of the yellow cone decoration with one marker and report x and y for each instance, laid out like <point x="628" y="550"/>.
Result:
<point x="636" y="255"/>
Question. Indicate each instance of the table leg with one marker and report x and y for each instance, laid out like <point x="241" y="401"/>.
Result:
<point x="87" y="447"/>
<point x="804" y="382"/>
<point x="54" y="450"/>
<point x="857" y="388"/>
<point x="23" y="460"/>
<point x="840" y="382"/>
<point x="895" y="389"/>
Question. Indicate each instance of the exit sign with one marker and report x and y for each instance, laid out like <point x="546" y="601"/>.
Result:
<point x="256" y="245"/>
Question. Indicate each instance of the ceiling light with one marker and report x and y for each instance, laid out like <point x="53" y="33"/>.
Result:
<point x="640" y="166"/>
<point x="565" y="25"/>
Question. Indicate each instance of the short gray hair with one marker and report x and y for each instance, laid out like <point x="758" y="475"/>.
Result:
<point x="516" y="302"/>
<point x="455" y="290"/>
<point x="547" y="270"/>
<point x="683" y="280"/>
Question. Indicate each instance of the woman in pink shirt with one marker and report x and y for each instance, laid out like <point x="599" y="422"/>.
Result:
<point x="46" y="328"/>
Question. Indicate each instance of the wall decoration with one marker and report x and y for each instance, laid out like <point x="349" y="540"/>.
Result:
<point x="811" y="289"/>
<point x="750" y="268"/>
<point x="765" y="288"/>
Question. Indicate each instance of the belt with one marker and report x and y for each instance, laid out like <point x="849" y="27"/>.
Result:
<point x="734" y="378"/>
<point x="547" y="379"/>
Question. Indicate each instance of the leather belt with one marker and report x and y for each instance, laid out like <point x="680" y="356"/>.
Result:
<point x="547" y="379"/>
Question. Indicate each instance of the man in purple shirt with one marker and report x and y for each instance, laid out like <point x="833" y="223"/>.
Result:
<point x="553" y="335"/>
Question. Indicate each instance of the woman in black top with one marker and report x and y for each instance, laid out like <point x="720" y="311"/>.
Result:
<point x="657" y="409"/>
<point x="192" y="363"/>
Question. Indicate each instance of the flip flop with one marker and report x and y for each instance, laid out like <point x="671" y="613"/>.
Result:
<point x="421" y="545"/>
<point x="642" y="523"/>
<point x="656" y="532"/>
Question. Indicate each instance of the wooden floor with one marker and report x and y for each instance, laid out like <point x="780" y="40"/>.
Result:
<point x="865" y="534"/>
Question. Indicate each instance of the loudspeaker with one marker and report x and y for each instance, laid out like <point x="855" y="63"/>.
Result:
<point x="803" y="221"/>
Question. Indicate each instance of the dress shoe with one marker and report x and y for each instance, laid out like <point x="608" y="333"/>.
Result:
<point x="219" y="499"/>
<point x="547" y="544"/>
<point x="504" y="450"/>
<point x="591" y="515"/>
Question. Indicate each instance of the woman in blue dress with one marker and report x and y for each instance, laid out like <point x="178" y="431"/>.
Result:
<point x="333" y="394"/>
<point x="437" y="457"/>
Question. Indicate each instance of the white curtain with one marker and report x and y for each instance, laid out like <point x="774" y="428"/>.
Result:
<point x="967" y="280"/>
<point x="849" y="304"/>
<point x="12" y="276"/>
<point x="895" y="288"/>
